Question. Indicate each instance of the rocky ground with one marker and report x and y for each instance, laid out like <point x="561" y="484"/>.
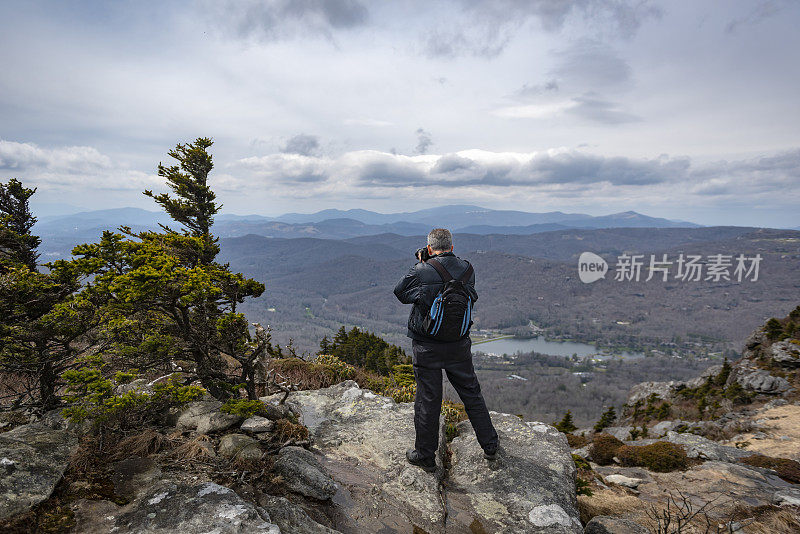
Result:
<point x="350" y="475"/>
<point x="739" y="428"/>
<point x="714" y="454"/>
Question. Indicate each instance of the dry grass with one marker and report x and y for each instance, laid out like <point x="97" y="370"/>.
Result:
<point x="771" y="520"/>
<point x="286" y="430"/>
<point x="143" y="444"/>
<point x="614" y="502"/>
<point x="200" y="447"/>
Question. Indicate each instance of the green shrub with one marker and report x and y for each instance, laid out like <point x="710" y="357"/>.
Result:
<point x="92" y="398"/>
<point x="581" y="462"/>
<point x="341" y="370"/>
<point x="122" y="377"/>
<point x="604" y="448"/>
<point x="660" y="456"/>
<point x="453" y="413"/>
<point x="244" y="408"/>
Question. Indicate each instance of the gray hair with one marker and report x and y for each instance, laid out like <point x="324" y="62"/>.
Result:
<point x="440" y="239"/>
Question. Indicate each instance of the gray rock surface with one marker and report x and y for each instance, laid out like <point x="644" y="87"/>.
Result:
<point x="660" y="429"/>
<point x="645" y="389"/>
<point x="257" y="424"/>
<point x="622" y="433"/>
<point x="530" y="487"/>
<point x="170" y="507"/>
<point x="291" y="518"/>
<point x="362" y="439"/>
<point x="205" y="417"/>
<point x="760" y="381"/>
<point x="33" y="459"/>
<point x="706" y="449"/>
<point x="786" y="354"/>
<point x="303" y="473"/>
<point x="622" y="480"/>
<point x="787" y="497"/>
<point x="239" y="446"/>
<point x="603" y="524"/>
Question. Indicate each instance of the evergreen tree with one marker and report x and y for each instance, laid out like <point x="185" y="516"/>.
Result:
<point x="165" y="298"/>
<point x="43" y="321"/>
<point x="17" y="245"/>
<point x="566" y="425"/>
<point x="606" y="420"/>
<point x="324" y="346"/>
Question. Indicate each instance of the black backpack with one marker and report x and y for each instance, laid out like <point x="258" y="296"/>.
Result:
<point x="450" y="315"/>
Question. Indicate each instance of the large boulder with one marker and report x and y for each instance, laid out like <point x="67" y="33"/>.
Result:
<point x="205" y="417"/>
<point x="304" y="474"/>
<point x="33" y="459"/>
<point x="786" y="354"/>
<point x="760" y="381"/>
<point x="291" y="518"/>
<point x="529" y="487"/>
<point x="239" y="446"/>
<point x="362" y="438"/>
<point x="175" y="506"/>
<point x="706" y="449"/>
<point x="603" y="524"/>
<point x="645" y="389"/>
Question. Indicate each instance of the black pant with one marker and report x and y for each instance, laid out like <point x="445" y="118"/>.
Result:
<point x="456" y="360"/>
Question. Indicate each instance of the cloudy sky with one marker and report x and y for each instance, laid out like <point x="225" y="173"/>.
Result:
<point x="680" y="109"/>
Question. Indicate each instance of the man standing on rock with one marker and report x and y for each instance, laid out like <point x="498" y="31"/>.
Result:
<point x="420" y="287"/>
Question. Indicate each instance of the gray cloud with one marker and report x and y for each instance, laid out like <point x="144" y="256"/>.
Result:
<point x="528" y="91"/>
<point x="763" y="10"/>
<point x="303" y="144"/>
<point x="487" y="26"/>
<point x="424" y="141"/>
<point x="279" y="19"/>
<point x="561" y="172"/>
<point x="592" y="108"/>
<point x="589" y="65"/>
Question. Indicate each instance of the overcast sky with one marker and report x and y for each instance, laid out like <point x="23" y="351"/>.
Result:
<point x="685" y="110"/>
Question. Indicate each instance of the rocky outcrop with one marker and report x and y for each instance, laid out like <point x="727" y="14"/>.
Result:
<point x="706" y="449"/>
<point x="613" y="525"/>
<point x="360" y="439"/>
<point x="786" y="354"/>
<point x="759" y="381"/>
<point x="239" y="446"/>
<point x="33" y="459"/>
<point x="304" y="473"/>
<point x="530" y="487"/>
<point x="205" y="417"/>
<point x="171" y="506"/>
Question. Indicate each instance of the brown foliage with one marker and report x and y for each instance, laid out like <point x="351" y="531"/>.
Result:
<point x="604" y="448"/>
<point x="576" y="442"/>
<point x="788" y="470"/>
<point x="661" y="456"/>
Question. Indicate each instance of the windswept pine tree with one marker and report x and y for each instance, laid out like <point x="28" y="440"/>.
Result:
<point x="165" y="298"/>
<point x="44" y="324"/>
<point x="17" y="244"/>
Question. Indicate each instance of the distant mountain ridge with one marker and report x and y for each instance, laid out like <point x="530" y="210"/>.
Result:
<point x="344" y="224"/>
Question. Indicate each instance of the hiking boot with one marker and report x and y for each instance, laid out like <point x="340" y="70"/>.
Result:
<point x="413" y="457"/>
<point x="490" y="453"/>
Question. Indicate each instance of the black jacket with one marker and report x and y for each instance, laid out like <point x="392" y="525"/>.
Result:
<point x="420" y="287"/>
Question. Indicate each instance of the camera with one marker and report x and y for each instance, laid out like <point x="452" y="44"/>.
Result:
<point x="422" y="254"/>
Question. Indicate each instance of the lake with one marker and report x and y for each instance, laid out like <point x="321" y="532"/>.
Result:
<point x="540" y="344"/>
